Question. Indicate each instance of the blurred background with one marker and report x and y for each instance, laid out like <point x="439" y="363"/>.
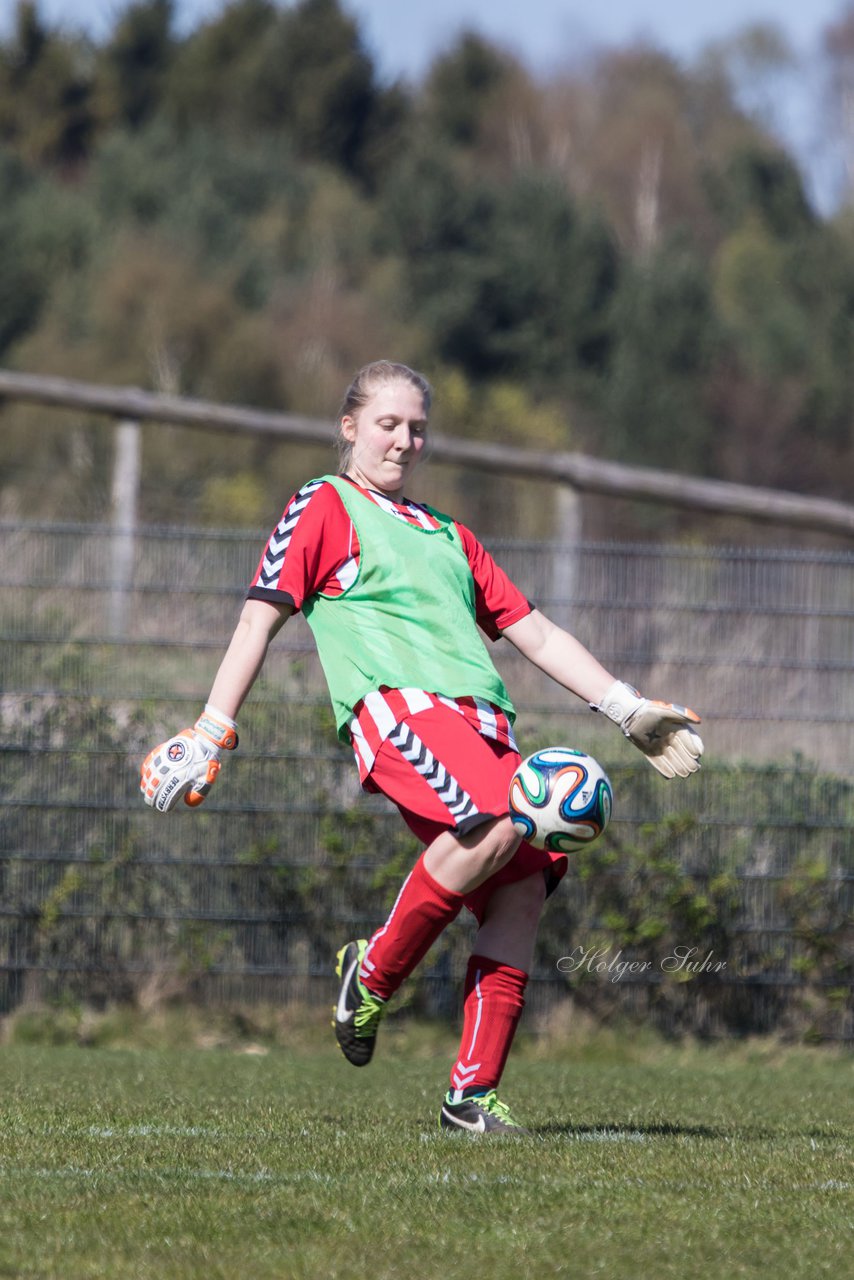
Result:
<point x="625" y="235"/>
<point x="644" y="256"/>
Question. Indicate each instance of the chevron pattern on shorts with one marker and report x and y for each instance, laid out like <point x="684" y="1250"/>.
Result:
<point x="455" y="798"/>
<point x="274" y="554"/>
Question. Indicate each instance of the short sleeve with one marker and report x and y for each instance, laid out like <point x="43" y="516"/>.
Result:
<point x="313" y="548"/>
<point x="498" y="601"/>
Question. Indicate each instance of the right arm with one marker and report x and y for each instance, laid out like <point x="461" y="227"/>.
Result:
<point x="259" y="622"/>
<point x="186" y="766"/>
<point x="300" y="558"/>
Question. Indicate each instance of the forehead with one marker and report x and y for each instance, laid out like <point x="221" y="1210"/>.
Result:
<point x="401" y="399"/>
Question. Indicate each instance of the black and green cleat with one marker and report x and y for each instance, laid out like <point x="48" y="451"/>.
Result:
<point x="481" y="1113"/>
<point x="358" y="1013"/>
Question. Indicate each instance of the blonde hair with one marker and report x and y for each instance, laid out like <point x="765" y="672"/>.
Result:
<point x="365" y="385"/>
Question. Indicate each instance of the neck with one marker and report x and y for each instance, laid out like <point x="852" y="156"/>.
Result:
<point x="396" y="495"/>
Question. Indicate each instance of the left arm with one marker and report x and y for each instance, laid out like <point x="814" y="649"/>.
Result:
<point x="560" y="656"/>
<point x="662" y="731"/>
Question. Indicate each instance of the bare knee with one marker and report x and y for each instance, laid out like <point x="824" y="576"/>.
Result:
<point x="492" y="845"/>
<point x="463" y="863"/>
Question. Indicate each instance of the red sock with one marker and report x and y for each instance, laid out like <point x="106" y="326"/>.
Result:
<point x="494" y="1000"/>
<point x="423" y="909"/>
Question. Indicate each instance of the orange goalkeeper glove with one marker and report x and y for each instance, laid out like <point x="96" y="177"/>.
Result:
<point x="186" y="766"/>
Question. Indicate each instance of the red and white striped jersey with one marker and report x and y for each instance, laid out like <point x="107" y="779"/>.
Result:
<point x="315" y="548"/>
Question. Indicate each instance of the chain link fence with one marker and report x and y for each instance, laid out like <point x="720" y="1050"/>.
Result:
<point x="718" y="904"/>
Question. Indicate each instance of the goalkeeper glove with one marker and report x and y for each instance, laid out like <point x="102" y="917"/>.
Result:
<point x="186" y="766"/>
<point x="661" y="730"/>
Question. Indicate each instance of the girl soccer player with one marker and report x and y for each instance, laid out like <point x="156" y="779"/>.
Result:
<point x="394" y="592"/>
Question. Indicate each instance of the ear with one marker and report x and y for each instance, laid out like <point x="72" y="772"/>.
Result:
<point x="347" y="427"/>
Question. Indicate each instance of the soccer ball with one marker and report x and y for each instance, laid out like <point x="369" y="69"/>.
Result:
<point x="560" y="799"/>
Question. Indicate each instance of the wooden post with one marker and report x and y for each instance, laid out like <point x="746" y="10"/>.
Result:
<point x="564" y="577"/>
<point x="124" y="505"/>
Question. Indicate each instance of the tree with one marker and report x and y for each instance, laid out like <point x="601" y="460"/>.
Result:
<point x="300" y="73"/>
<point x="46" y="235"/>
<point x="45" y="93"/>
<point x="461" y="89"/>
<point x="133" y="65"/>
<point x="664" y="339"/>
<point x="761" y="71"/>
<point x="508" y="280"/>
<point x="22" y="290"/>
<point x="762" y="182"/>
<point x="838" y="48"/>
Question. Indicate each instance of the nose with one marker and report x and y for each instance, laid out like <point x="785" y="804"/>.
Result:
<point x="403" y="437"/>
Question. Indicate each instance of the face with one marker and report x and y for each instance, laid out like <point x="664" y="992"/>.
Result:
<point x="388" y="436"/>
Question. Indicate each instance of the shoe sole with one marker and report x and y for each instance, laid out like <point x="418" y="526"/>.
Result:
<point x="339" y="967"/>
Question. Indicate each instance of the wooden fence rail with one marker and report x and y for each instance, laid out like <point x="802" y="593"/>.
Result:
<point x="576" y="471"/>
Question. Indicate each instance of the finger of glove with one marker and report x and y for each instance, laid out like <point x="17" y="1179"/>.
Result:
<point x="655" y="721"/>
<point x="163" y="792"/>
<point x="676" y="708"/>
<point x="148" y="776"/>
<point x="145" y="784"/>
<point x="191" y="779"/>
<point x="662" y="764"/>
<point x="202" y="785"/>
<point x="684" y="751"/>
<point x="171" y="793"/>
<point x="690" y="743"/>
<point x="679" y="757"/>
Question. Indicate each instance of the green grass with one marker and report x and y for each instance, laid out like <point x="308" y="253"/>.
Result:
<point x="648" y="1162"/>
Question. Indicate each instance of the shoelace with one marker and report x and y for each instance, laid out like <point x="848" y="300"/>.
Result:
<point x="493" y="1104"/>
<point x="368" y="1013"/>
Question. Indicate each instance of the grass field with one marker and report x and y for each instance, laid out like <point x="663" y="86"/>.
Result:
<point x="648" y="1161"/>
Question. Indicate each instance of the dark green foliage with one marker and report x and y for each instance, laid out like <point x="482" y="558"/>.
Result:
<point x="512" y="280"/>
<point x="217" y="75"/>
<point x="765" y="183"/>
<point x="820" y="274"/>
<point x="135" y="63"/>
<point x="41" y="238"/>
<point x="298" y="73"/>
<point x="459" y="90"/>
<point x="245" y="210"/>
<point x="200" y="190"/>
<point x="665" y="336"/>
<point x="46" y="108"/>
<point x="22" y="291"/>
<point x="783" y="288"/>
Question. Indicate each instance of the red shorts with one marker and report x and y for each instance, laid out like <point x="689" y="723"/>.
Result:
<point x="445" y="776"/>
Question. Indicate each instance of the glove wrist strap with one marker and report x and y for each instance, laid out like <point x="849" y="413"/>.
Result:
<point x="619" y="702"/>
<point x="217" y="726"/>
